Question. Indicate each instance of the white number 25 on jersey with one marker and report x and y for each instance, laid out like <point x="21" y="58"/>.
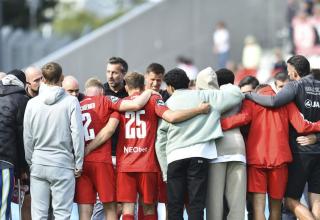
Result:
<point x="139" y="130"/>
<point x="88" y="133"/>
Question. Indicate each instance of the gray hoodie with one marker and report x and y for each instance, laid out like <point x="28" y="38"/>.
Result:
<point x="53" y="130"/>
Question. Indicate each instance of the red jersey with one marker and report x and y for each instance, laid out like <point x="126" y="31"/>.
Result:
<point x="96" y="111"/>
<point x="136" y="144"/>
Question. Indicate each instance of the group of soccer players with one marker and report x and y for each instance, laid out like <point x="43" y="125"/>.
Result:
<point x="119" y="123"/>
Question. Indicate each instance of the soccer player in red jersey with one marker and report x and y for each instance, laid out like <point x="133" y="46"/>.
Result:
<point x="98" y="173"/>
<point x="137" y="165"/>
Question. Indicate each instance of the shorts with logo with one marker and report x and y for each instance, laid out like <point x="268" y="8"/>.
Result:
<point x="305" y="168"/>
<point x="96" y="178"/>
<point x="162" y="189"/>
<point x="268" y="180"/>
<point x="131" y="183"/>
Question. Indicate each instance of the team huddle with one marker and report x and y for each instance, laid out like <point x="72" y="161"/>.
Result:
<point x="129" y="142"/>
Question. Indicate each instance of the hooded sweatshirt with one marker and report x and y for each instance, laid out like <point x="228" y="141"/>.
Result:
<point x="197" y="130"/>
<point x="53" y="130"/>
<point x="13" y="101"/>
<point x="231" y="147"/>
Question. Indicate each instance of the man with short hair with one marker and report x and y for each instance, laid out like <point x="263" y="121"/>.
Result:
<point x="54" y="145"/>
<point x="116" y="70"/>
<point x="154" y="77"/>
<point x="71" y="85"/>
<point x="13" y="101"/>
<point x="304" y="90"/>
<point x="33" y="76"/>
<point x="183" y="149"/>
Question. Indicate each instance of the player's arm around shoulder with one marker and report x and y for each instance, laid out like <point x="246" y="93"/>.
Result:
<point x="136" y="104"/>
<point x="182" y="115"/>
<point x="224" y="99"/>
<point x="104" y="134"/>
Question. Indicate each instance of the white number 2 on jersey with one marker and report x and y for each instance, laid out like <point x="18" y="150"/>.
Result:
<point x="88" y="133"/>
<point x="140" y="128"/>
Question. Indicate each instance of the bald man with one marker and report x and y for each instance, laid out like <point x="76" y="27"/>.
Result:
<point x="71" y="85"/>
<point x="33" y="77"/>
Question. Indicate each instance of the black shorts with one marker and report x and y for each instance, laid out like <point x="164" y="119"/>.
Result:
<point x="305" y="168"/>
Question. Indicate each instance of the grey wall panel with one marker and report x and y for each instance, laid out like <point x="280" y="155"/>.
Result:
<point x="159" y="32"/>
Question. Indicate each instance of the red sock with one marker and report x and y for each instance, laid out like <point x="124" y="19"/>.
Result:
<point x="127" y="217"/>
<point x="150" y="217"/>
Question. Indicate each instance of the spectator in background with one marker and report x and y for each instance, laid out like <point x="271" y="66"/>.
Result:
<point x="315" y="19"/>
<point x="2" y="74"/>
<point x="251" y="54"/>
<point x="33" y="76"/>
<point x="304" y="36"/>
<point x="227" y="173"/>
<point x="71" y="86"/>
<point x="279" y="63"/>
<point x="221" y="44"/>
<point x="13" y="100"/>
<point x="54" y="146"/>
<point x="191" y="70"/>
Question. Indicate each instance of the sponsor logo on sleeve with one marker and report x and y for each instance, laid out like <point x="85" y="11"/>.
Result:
<point x="114" y="99"/>
<point x="160" y="102"/>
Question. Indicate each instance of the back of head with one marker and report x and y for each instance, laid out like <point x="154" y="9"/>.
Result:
<point x="122" y="62"/>
<point x="260" y="87"/>
<point x="316" y="73"/>
<point x="225" y="76"/>
<point x="281" y="76"/>
<point x="177" y="78"/>
<point x="207" y="79"/>
<point x="249" y="80"/>
<point x="155" y="68"/>
<point x="93" y="87"/>
<point x="52" y="73"/>
<point x="301" y="64"/>
<point x="134" y="80"/>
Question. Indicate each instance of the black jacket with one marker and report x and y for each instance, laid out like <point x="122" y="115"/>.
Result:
<point x="13" y="101"/>
<point x="306" y="95"/>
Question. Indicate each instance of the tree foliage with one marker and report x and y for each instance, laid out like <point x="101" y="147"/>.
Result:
<point x="76" y="23"/>
<point x="16" y="12"/>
